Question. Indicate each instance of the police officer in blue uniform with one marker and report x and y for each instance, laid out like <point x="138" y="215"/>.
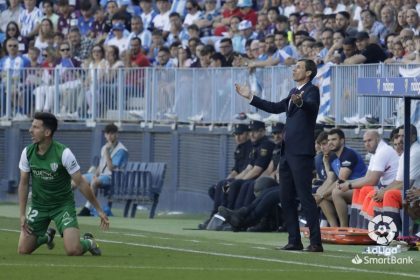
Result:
<point x="241" y="156"/>
<point x="262" y="213"/>
<point x="260" y="158"/>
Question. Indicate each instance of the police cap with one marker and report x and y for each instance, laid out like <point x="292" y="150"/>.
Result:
<point x="277" y="127"/>
<point x="256" y="125"/>
<point x="240" y="128"/>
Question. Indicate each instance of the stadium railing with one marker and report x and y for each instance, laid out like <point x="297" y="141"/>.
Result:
<point x="177" y="95"/>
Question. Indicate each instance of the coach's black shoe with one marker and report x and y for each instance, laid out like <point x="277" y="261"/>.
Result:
<point x="85" y="212"/>
<point x="291" y="247"/>
<point x="50" y="234"/>
<point x="314" y="248"/>
<point x="94" y="248"/>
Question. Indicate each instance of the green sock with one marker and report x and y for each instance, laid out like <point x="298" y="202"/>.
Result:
<point x="86" y="244"/>
<point x="41" y="240"/>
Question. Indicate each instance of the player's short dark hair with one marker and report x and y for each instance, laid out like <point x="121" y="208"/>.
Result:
<point x="111" y="128"/>
<point x="337" y="131"/>
<point x="48" y="121"/>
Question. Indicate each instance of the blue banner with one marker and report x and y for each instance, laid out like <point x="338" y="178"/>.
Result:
<point x="389" y="87"/>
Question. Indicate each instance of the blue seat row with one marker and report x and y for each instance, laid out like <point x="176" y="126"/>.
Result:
<point x="138" y="183"/>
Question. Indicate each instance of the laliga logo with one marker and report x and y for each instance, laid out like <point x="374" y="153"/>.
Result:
<point x="382" y="229"/>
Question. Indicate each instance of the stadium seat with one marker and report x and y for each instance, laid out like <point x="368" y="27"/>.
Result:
<point x="139" y="183"/>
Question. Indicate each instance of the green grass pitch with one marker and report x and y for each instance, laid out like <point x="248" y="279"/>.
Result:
<point x="165" y="248"/>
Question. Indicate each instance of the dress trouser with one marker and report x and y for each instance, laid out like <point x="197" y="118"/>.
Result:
<point x="296" y="182"/>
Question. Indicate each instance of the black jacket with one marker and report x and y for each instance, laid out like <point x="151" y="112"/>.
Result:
<point x="300" y="122"/>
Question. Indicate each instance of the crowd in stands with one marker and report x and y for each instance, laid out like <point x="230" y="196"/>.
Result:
<point x="190" y="33"/>
<point x="107" y="35"/>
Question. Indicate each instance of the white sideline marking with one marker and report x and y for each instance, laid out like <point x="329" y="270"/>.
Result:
<point x="343" y="269"/>
<point x="135" y="235"/>
<point x="225" y="244"/>
<point x="347" y="269"/>
<point x="125" y="233"/>
<point x="163" y="268"/>
<point x="260" y="248"/>
<point x="228" y="244"/>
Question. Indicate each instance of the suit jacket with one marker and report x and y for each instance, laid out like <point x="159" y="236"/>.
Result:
<point x="300" y="122"/>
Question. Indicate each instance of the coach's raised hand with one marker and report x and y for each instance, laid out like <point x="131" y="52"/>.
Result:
<point x="244" y="91"/>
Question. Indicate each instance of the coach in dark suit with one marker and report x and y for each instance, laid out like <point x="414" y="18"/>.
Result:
<point x="298" y="151"/>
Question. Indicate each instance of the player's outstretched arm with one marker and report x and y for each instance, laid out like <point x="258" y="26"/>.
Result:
<point x="87" y="192"/>
<point x="23" y="200"/>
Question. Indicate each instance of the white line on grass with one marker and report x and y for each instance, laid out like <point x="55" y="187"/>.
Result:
<point x="344" y="269"/>
<point x="297" y="252"/>
<point x="135" y="235"/>
<point x="228" y="244"/>
<point x="161" y="268"/>
<point x="260" y="248"/>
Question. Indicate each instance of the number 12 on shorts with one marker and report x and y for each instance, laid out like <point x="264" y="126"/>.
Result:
<point x="32" y="213"/>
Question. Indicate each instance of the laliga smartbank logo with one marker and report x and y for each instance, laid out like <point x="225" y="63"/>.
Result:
<point x="382" y="260"/>
<point x="382" y="230"/>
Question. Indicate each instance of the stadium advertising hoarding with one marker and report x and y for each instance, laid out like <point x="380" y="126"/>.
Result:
<point x="389" y="87"/>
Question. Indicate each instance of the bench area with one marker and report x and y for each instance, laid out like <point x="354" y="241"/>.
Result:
<point x="138" y="183"/>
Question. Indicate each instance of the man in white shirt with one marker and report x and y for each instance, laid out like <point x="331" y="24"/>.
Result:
<point x="138" y="30"/>
<point x="382" y="171"/>
<point x="121" y="42"/>
<point x="161" y="21"/>
<point x="388" y="201"/>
